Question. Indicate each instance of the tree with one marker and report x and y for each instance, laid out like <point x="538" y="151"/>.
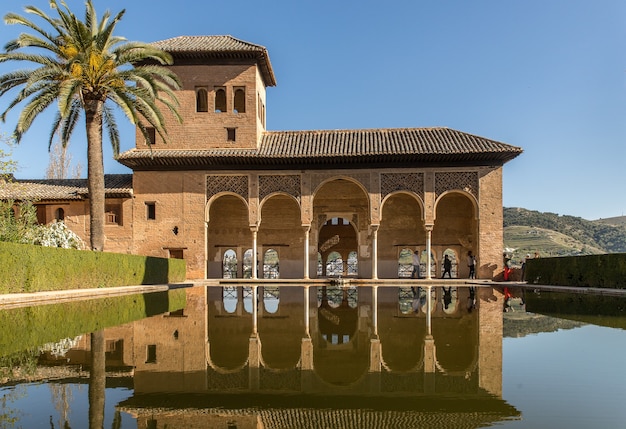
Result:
<point x="60" y="163"/>
<point x="84" y="68"/>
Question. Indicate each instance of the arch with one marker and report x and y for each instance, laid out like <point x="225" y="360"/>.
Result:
<point x="454" y="259"/>
<point x="220" y="100"/>
<point x="339" y="178"/>
<point x="459" y="192"/>
<point x="280" y="229"/>
<point x="334" y="265"/>
<point x="227" y="227"/>
<point x="216" y="197"/>
<point x="247" y="264"/>
<point x="412" y="195"/>
<point x="229" y="264"/>
<point x="239" y="100"/>
<point x="271" y="264"/>
<point x="401" y="227"/>
<point x="456" y="226"/>
<point x="59" y="214"/>
<point x="405" y="262"/>
<point x="274" y="195"/>
<point x="202" y="100"/>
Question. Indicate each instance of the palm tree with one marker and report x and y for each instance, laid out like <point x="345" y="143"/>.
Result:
<point x="82" y="66"/>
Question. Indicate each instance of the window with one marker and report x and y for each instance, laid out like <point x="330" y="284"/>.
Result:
<point x="202" y="100"/>
<point x="59" y="214"/>
<point x="176" y="253"/>
<point x="240" y="100"/>
<point x="113" y="214"/>
<point x="220" y="99"/>
<point x="151" y="211"/>
<point x="151" y="134"/>
<point x="151" y="356"/>
<point x="230" y="134"/>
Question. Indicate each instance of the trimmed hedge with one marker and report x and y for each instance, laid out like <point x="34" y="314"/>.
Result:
<point x="600" y="271"/>
<point x="28" y="268"/>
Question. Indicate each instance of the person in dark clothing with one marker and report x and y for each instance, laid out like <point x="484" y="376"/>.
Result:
<point x="447" y="267"/>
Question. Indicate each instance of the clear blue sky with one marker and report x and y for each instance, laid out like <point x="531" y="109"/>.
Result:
<point x="546" y="75"/>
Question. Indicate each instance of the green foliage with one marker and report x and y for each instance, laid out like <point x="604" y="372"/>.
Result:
<point x="17" y="228"/>
<point x="588" y="234"/>
<point x="27" y="268"/>
<point x="599" y="271"/>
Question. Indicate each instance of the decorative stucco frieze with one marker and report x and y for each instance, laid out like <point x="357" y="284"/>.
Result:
<point x="392" y="182"/>
<point x="289" y="184"/>
<point x="237" y="184"/>
<point x="459" y="180"/>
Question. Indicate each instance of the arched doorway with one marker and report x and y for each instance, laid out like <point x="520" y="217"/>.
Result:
<point x="227" y="228"/>
<point x="337" y="241"/>
<point x="401" y="228"/>
<point x="341" y="212"/>
<point x="456" y="227"/>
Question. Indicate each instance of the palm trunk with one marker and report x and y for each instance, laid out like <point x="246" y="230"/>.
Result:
<point x="97" y="381"/>
<point x="95" y="173"/>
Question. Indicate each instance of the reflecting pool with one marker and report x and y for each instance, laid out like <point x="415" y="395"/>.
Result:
<point x="316" y="357"/>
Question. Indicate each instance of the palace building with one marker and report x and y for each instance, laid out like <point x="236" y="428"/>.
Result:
<point x="319" y="203"/>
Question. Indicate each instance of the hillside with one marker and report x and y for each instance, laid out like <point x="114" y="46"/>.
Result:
<point x="550" y="234"/>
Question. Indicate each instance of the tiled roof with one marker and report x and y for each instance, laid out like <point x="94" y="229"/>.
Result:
<point x="116" y="186"/>
<point x="409" y="147"/>
<point x="218" y="47"/>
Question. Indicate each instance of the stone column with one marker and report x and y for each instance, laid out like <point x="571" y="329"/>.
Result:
<point x="255" y="262"/>
<point x="429" y="231"/>
<point x="306" y="228"/>
<point x="374" y="251"/>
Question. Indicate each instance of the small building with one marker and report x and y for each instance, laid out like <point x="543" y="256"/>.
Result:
<point x="310" y="203"/>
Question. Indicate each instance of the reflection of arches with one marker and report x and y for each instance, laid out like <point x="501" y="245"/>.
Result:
<point x="456" y="343"/>
<point x="229" y="264"/>
<point x="271" y="299"/>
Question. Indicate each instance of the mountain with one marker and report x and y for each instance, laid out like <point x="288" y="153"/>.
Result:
<point x="550" y="234"/>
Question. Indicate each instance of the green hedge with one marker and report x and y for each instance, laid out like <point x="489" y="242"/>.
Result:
<point x="601" y="271"/>
<point x="28" y="268"/>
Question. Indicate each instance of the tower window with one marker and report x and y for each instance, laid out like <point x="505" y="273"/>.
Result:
<point x="151" y="134"/>
<point x="220" y="99"/>
<point x="202" y="100"/>
<point x="240" y="100"/>
<point x="151" y="211"/>
<point x="230" y="134"/>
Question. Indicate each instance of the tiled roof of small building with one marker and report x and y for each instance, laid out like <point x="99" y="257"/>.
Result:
<point x="402" y="147"/>
<point x="218" y="47"/>
<point x="116" y="186"/>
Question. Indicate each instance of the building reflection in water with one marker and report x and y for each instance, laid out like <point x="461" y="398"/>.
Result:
<point x="321" y="356"/>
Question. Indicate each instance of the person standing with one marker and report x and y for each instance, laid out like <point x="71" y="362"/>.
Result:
<point x="471" y="263"/>
<point x="447" y="267"/>
<point x="416" y="265"/>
